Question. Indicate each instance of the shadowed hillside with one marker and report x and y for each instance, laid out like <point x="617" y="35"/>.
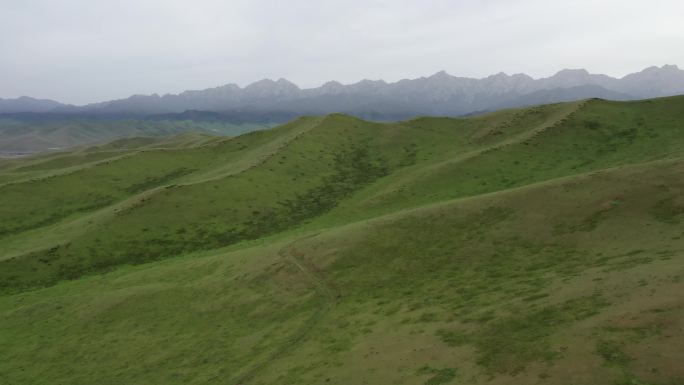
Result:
<point x="538" y="245"/>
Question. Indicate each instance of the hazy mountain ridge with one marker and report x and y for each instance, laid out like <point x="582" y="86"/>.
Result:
<point x="28" y="104"/>
<point x="439" y="94"/>
<point x="231" y="109"/>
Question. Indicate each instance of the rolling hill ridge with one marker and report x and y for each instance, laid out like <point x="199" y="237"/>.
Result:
<point x="522" y="246"/>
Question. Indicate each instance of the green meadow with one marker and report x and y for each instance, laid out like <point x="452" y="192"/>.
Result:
<point x="542" y="245"/>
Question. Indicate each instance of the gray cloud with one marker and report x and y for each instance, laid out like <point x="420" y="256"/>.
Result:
<point x="83" y="51"/>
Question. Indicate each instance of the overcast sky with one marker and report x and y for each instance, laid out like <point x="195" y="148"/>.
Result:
<point x="81" y="51"/>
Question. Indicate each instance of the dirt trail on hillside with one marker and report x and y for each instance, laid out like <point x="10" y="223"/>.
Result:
<point x="326" y="289"/>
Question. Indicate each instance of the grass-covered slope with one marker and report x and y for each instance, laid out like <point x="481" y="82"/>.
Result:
<point x="542" y="245"/>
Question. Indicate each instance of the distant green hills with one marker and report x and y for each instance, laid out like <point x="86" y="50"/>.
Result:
<point x="29" y="133"/>
<point x="523" y="246"/>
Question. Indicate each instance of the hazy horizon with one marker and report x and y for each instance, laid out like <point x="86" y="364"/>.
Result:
<point x="80" y="52"/>
<point x="243" y="86"/>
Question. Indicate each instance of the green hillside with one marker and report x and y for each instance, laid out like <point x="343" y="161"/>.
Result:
<point x="535" y="246"/>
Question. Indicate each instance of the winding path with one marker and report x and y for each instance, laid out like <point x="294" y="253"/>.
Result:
<point x="325" y="288"/>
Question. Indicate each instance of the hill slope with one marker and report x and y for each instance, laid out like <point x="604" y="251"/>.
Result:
<point x="508" y="248"/>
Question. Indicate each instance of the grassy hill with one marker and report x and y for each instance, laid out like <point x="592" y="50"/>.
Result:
<point x="534" y="246"/>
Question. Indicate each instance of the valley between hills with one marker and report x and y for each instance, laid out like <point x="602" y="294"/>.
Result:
<point x="542" y="245"/>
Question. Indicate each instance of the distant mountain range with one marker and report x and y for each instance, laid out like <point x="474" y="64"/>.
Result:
<point x="439" y="94"/>
<point x="27" y="104"/>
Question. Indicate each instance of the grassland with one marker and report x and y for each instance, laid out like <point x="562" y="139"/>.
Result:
<point x="534" y="246"/>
